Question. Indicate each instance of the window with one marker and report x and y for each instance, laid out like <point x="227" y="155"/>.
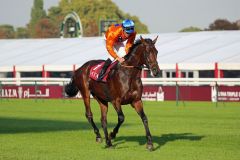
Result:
<point x="6" y="74"/>
<point x="183" y="74"/>
<point x="170" y="74"/>
<point x="186" y="74"/>
<point x="173" y="74"/>
<point x="190" y="74"/>
<point x="206" y="74"/>
<point x="31" y="74"/>
<point x="231" y="73"/>
<point x="60" y="74"/>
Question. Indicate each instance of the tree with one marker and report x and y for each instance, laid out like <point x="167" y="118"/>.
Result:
<point x="22" y="32"/>
<point x="6" y="32"/>
<point x="92" y="11"/>
<point x="37" y="13"/>
<point x="45" y="28"/>
<point x="238" y="23"/>
<point x="191" y="29"/>
<point x="223" y="24"/>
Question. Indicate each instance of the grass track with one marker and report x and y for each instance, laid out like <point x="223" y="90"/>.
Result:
<point x="57" y="129"/>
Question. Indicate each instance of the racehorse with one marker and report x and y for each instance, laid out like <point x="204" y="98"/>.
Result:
<point x="123" y="86"/>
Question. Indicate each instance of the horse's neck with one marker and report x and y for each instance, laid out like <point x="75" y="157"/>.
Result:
<point x="132" y="65"/>
<point x="134" y="59"/>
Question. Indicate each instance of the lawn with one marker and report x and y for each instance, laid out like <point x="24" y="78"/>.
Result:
<point x="58" y="129"/>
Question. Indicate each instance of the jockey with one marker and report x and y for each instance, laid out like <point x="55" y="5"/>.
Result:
<point x="115" y="37"/>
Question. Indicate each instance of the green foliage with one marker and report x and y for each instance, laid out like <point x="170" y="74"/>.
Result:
<point x="22" y="32"/>
<point x="37" y="13"/>
<point x="54" y="13"/>
<point x="6" y="31"/>
<point x="45" y="28"/>
<point x="92" y="11"/>
<point x="223" y="24"/>
<point x="191" y="29"/>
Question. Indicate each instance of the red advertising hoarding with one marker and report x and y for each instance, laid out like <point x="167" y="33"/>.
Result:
<point x="228" y="93"/>
<point x="31" y="92"/>
<point x="150" y="92"/>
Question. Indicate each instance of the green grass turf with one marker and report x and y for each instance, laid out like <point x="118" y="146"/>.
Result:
<point x="58" y="129"/>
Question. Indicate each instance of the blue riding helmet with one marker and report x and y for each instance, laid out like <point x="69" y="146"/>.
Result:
<point x="128" y="26"/>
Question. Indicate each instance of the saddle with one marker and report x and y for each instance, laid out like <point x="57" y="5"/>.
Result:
<point x="95" y="70"/>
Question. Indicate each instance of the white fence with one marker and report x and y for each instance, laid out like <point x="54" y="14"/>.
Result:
<point x="146" y="81"/>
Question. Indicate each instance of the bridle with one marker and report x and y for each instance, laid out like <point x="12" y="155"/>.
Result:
<point x="133" y="67"/>
<point x="148" y="64"/>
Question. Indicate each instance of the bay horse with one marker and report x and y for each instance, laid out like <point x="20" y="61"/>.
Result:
<point x="123" y="86"/>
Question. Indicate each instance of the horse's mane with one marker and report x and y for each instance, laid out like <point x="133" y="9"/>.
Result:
<point x="134" y="46"/>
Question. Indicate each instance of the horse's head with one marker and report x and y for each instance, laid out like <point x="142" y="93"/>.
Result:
<point x="150" y="55"/>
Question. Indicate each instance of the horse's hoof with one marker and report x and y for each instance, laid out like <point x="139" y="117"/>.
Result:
<point x="112" y="135"/>
<point x="98" y="139"/>
<point x="109" y="144"/>
<point x="150" y="147"/>
<point x="110" y="147"/>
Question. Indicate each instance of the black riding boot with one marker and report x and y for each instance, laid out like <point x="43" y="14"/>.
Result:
<point x="104" y="69"/>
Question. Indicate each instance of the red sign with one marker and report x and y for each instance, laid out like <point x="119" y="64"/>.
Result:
<point x="31" y="92"/>
<point x="228" y="93"/>
<point x="150" y="92"/>
<point x="187" y="93"/>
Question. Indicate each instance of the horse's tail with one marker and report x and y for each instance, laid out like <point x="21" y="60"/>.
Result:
<point x="71" y="89"/>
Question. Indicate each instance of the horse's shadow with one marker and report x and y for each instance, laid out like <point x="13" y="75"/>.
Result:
<point x="160" y="140"/>
<point x="13" y="125"/>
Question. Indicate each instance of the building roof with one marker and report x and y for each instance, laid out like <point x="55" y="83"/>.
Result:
<point x="190" y="50"/>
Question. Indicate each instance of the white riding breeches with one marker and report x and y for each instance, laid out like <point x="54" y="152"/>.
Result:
<point x="119" y="48"/>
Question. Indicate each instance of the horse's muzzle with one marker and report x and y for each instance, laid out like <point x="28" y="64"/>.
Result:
<point x="155" y="71"/>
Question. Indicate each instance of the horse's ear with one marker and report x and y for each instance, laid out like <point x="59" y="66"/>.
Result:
<point x="155" y="40"/>
<point x="143" y="41"/>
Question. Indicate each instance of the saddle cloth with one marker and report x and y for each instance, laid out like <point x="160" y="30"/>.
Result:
<point x="95" y="70"/>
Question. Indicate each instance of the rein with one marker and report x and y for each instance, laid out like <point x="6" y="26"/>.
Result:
<point x="128" y="66"/>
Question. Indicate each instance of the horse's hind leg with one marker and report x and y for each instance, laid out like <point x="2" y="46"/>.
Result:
<point x="89" y="116"/>
<point x="139" y="108"/>
<point x="81" y="80"/>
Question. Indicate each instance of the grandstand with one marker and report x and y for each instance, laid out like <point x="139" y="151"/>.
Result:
<point x="190" y="54"/>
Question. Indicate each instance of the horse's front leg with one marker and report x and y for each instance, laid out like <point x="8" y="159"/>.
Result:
<point x="139" y="108"/>
<point x="117" y="107"/>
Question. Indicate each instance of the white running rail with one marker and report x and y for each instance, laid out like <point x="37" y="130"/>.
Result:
<point x="146" y="81"/>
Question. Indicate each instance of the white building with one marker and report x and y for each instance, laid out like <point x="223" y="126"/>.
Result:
<point x="191" y="54"/>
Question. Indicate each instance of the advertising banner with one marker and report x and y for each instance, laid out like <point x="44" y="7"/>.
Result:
<point x="225" y="93"/>
<point x="31" y="92"/>
<point x="150" y="92"/>
<point x="186" y="93"/>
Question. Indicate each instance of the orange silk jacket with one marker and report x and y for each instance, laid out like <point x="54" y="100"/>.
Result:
<point x="115" y="34"/>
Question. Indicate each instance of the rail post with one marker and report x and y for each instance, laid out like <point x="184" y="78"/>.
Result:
<point x="216" y="85"/>
<point x="1" y="91"/>
<point x="63" y="92"/>
<point x="35" y="90"/>
<point x="177" y="94"/>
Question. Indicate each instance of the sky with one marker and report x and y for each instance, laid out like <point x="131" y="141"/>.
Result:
<point x="161" y="16"/>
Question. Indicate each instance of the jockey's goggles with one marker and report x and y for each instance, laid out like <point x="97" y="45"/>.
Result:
<point x="129" y="29"/>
